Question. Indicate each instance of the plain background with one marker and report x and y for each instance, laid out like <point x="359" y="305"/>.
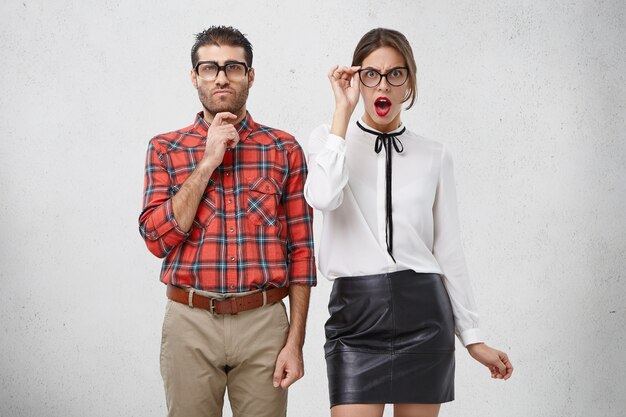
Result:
<point x="529" y="96"/>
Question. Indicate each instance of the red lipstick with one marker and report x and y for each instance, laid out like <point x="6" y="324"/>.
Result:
<point x="382" y="105"/>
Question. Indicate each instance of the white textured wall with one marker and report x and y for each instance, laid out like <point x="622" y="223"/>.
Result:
<point x="530" y="96"/>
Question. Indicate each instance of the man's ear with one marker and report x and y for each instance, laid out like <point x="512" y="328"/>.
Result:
<point x="194" y="79"/>
<point x="250" y="77"/>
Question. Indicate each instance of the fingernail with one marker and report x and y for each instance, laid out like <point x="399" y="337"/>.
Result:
<point x="275" y="384"/>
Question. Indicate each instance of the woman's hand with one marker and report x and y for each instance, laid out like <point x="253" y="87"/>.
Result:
<point x="346" y="88"/>
<point x="497" y="362"/>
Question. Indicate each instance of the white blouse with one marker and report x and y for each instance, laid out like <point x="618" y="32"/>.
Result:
<point x="346" y="182"/>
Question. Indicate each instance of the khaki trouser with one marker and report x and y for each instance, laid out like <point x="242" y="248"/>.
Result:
<point x="203" y="354"/>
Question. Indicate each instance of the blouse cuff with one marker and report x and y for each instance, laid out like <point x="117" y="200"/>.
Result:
<point x="471" y="336"/>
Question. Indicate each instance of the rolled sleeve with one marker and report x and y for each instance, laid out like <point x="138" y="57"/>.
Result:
<point x="157" y="224"/>
<point x="299" y="218"/>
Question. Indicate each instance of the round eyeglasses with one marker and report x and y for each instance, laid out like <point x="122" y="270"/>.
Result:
<point x="209" y="70"/>
<point x="395" y="77"/>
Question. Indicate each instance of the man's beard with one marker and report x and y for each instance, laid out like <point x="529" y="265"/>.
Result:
<point x="216" y="106"/>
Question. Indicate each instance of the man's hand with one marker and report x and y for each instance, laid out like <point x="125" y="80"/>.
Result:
<point x="289" y="366"/>
<point x="221" y="135"/>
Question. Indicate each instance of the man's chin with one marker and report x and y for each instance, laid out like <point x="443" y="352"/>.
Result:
<point x="222" y="109"/>
<point x="215" y="110"/>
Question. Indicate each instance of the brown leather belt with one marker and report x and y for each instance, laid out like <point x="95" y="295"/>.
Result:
<point x="230" y="305"/>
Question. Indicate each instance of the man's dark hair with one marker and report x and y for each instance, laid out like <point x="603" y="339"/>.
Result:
<point x="221" y="35"/>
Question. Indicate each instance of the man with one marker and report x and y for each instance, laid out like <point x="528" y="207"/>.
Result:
<point x="224" y="205"/>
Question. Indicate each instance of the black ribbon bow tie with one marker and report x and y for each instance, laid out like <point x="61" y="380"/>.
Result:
<point x="387" y="140"/>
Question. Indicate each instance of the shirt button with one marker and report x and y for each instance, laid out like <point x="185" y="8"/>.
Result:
<point x="232" y="258"/>
<point x="230" y="201"/>
<point x="231" y="286"/>
<point x="267" y="187"/>
<point x="232" y="229"/>
<point x="228" y="174"/>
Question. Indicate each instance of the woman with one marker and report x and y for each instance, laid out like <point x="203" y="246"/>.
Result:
<point x="391" y="243"/>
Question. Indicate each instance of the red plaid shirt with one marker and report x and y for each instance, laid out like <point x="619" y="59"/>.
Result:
<point x="253" y="228"/>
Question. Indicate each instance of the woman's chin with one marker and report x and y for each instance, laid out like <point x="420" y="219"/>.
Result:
<point x="383" y="121"/>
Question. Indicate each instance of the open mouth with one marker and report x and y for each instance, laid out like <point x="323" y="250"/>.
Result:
<point x="382" y="106"/>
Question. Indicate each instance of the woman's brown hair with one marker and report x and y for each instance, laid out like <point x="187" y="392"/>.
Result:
<point x="379" y="37"/>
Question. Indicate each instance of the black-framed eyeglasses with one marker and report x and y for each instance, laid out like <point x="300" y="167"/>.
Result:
<point x="395" y="77"/>
<point x="209" y="70"/>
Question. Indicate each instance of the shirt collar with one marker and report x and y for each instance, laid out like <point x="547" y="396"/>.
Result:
<point x="399" y="128"/>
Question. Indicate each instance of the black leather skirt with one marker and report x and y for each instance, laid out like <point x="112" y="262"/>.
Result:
<point x="389" y="340"/>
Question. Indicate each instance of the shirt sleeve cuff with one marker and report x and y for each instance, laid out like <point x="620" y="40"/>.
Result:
<point x="336" y="143"/>
<point x="303" y="272"/>
<point x="165" y="223"/>
<point x="471" y="336"/>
